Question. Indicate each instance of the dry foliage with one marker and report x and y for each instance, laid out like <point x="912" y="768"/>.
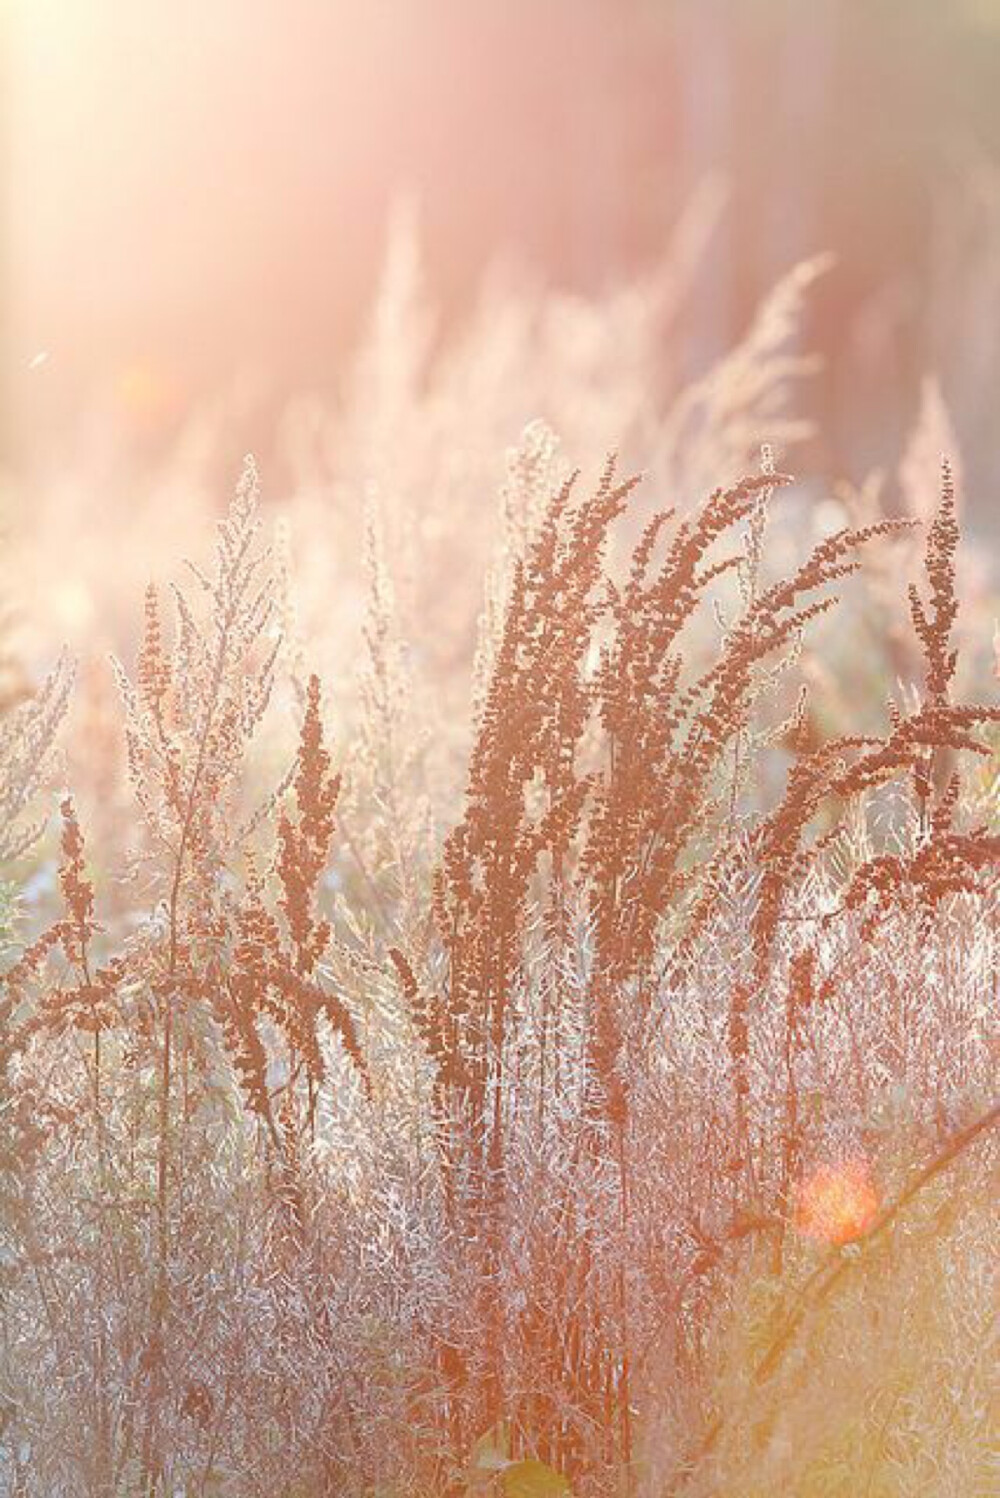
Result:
<point x="338" y="1157"/>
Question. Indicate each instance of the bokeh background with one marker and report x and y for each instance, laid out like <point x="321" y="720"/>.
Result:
<point x="199" y="191"/>
<point x="197" y="199"/>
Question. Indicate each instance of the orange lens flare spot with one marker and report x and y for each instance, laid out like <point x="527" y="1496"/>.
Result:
<point x="838" y="1203"/>
<point x="146" y="395"/>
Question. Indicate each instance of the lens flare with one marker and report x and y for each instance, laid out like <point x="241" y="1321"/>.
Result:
<point x="838" y="1203"/>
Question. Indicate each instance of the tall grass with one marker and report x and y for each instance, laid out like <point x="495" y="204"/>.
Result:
<point x="631" y="1131"/>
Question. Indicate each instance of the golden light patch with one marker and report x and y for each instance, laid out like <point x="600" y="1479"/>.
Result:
<point x="838" y="1203"/>
<point x="146" y="394"/>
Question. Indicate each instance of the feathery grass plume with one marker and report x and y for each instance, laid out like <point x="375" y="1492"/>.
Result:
<point x="27" y="738"/>
<point x="389" y="812"/>
<point x="287" y="609"/>
<point x="14" y="687"/>
<point x="534" y="472"/>
<point x="304" y="844"/>
<point x="826" y="774"/>
<point x="668" y="740"/>
<point x="945" y="861"/>
<point x="533" y="715"/>
<point x="919" y="475"/>
<point x="524" y="800"/>
<point x="713" y="426"/>
<point x="649" y="796"/>
<point x="933" y="623"/>
<point x="189" y="719"/>
<point x="274" y="976"/>
<point x="87" y="1003"/>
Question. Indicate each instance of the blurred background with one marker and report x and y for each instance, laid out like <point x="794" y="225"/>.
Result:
<point x="197" y="200"/>
<point x="197" y="193"/>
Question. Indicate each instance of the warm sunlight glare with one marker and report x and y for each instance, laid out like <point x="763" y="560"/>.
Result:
<point x="838" y="1203"/>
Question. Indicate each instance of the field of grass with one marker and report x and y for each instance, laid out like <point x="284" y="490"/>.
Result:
<point x="499" y="997"/>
